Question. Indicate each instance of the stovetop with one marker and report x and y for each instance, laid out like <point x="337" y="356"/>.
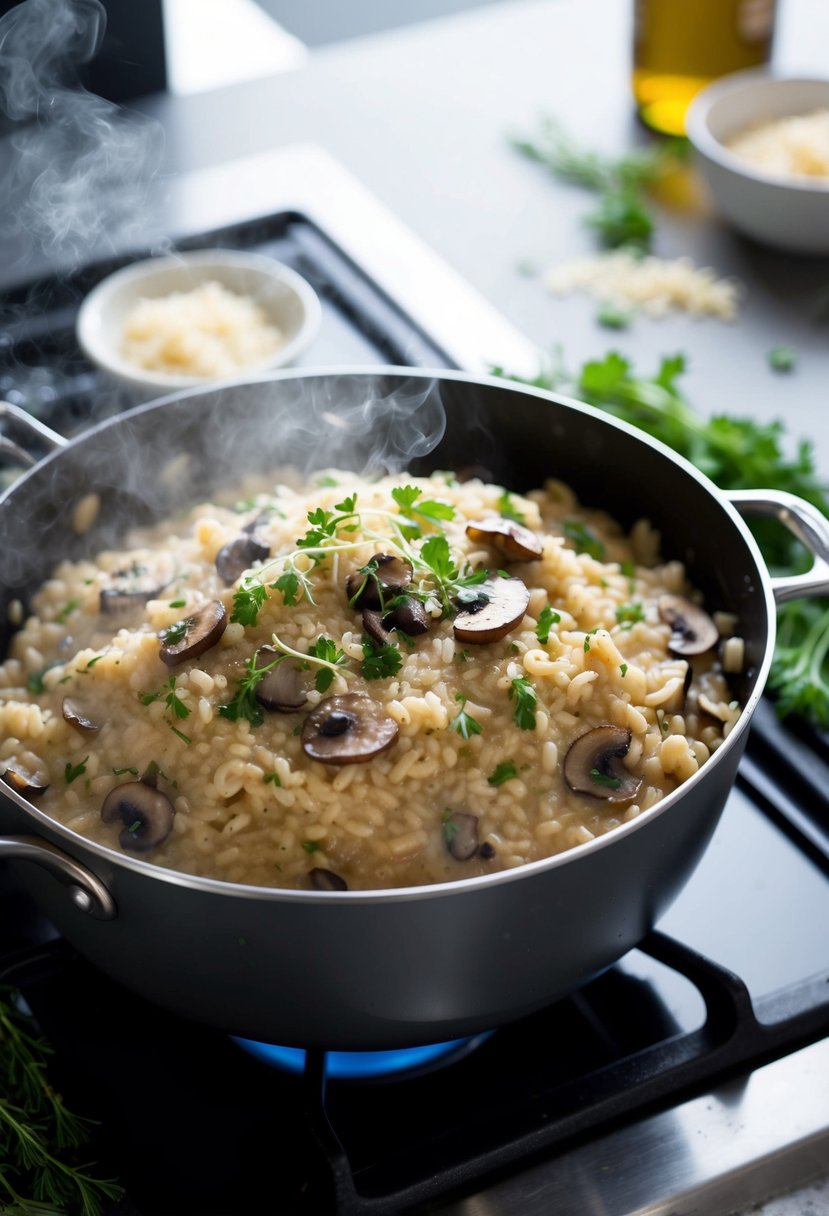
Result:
<point x="539" y="1115"/>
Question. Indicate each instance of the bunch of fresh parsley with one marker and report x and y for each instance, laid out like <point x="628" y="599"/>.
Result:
<point x="736" y="453"/>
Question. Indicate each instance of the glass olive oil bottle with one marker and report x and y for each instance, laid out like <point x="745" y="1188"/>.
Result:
<point x="679" y="46"/>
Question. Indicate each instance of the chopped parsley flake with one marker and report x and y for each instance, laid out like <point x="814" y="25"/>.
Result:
<point x="629" y="614"/>
<point x="66" y="611"/>
<point x="526" y="700"/>
<point x="546" y="620"/>
<point x="507" y="508"/>
<point x="505" y="771"/>
<point x="311" y="846"/>
<point x="271" y="778"/>
<point x="600" y="778"/>
<point x="463" y="722"/>
<point x="380" y="660"/>
<point x="72" y="771"/>
<point x="582" y="539"/>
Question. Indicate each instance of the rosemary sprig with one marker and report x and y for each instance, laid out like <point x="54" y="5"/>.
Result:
<point x="38" y="1135"/>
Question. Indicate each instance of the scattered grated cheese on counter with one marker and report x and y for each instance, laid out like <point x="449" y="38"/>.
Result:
<point x="789" y="147"/>
<point x="655" y="286"/>
<point x="209" y="331"/>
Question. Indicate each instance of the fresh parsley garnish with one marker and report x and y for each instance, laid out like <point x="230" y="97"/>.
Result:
<point x="380" y="660"/>
<point x="582" y="539"/>
<point x="507" y="508"/>
<point x="311" y="846"/>
<point x="271" y="778"/>
<point x="600" y="778"/>
<point x="34" y="680"/>
<point x="411" y="503"/>
<point x="449" y="580"/>
<point x="630" y="614"/>
<point x="72" y="771"/>
<point x="66" y="611"/>
<point x="502" y="772"/>
<point x="119" y="772"/>
<point x="464" y="723"/>
<point x="782" y="359"/>
<point x="173" y="634"/>
<point x="526" y="700"/>
<point x="325" y="649"/>
<point x="547" y="618"/>
<point x="248" y="598"/>
<point x="244" y="704"/>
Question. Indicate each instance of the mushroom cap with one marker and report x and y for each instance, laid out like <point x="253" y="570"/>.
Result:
<point x="511" y="539"/>
<point x="408" y="615"/>
<point x="76" y="716"/>
<point x="348" y="729"/>
<point x="460" y="832"/>
<point x="493" y="618"/>
<point x="692" y="629"/>
<point x="593" y="765"/>
<point x="389" y="577"/>
<point x="239" y="555"/>
<point x="147" y="815"/>
<point x="129" y="589"/>
<point x="24" y="780"/>
<point x="326" y="880"/>
<point x="203" y="628"/>
<point x="282" y="688"/>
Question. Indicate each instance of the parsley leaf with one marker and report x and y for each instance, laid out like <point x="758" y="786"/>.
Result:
<point x="629" y="614"/>
<point x="526" y="700"/>
<point x="582" y="539"/>
<point x="507" y="508"/>
<point x="248" y="598"/>
<point x="326" y="650"/>
<point x="380" y="660"/>
<point x="244" y="703"/>
<point x="504" y="771"/>
<point x="72" y="771"/>
<point x="546" y="620"/>
<point x="66" y="611"/>
<point x="600" y="778"/>
<point x="463" y="722"/>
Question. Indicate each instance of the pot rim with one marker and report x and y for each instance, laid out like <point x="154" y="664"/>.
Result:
<point x="483" y="882"/>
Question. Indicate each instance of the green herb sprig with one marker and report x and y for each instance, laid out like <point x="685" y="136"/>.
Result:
<point x="736" y="453"/>
<point x="464" y="723"/>
<point x="39" y="1136"/>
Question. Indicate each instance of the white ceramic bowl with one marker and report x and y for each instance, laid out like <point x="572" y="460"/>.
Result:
<point x="786" y="212"/>
<point x="287" y="300"/>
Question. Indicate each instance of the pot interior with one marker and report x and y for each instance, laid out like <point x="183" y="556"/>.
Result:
<point x="159" y="458"/>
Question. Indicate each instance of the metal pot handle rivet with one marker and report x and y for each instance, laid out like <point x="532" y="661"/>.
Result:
<point x="806" y="523"/>
<point x="86" y="892"/>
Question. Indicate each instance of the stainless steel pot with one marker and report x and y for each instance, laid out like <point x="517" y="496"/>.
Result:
<point x="382" y="969"/>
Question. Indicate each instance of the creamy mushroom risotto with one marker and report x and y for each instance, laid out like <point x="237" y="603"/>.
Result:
<point x="365" y="684"/>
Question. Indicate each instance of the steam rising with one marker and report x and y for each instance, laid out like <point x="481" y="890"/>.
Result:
<point x="77" y="167"/>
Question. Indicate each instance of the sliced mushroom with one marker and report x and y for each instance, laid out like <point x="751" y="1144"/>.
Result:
<point x="407" y="615"/>
<point x="146" y="813"/>
<point x="239" y="555"/>
<point x="513" y="540"/>
<point x="500" y="607"/>
<point x="24" y="780"/>
<point x="374" y="625"/>
<point x="326" y="880"/>
<point x="129" y="589"/>
<point x="202" y="629"/>
<point x="593" y="765"/>
<point x="460" y="831"/>
<point x="282" y="688"/>
<point x="387" y="577"/>
<point x="348" y="729"/>
<point x="692" y="629"/>
<point x="76" y="717"/>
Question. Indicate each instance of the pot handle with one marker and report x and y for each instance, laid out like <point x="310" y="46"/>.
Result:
<point x="31" y="427"/>
<point x="809" y="526"/>
<point x="86" y="892"/>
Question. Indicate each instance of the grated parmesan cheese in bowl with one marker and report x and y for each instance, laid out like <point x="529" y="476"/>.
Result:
<point x="656" y="286"/>
<point x="209" y="331"/>
<point x="794" y="146"/>
<point x="168" y="323"/>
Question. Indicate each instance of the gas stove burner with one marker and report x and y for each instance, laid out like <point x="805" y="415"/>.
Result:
<point x="368" y="1065"/>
